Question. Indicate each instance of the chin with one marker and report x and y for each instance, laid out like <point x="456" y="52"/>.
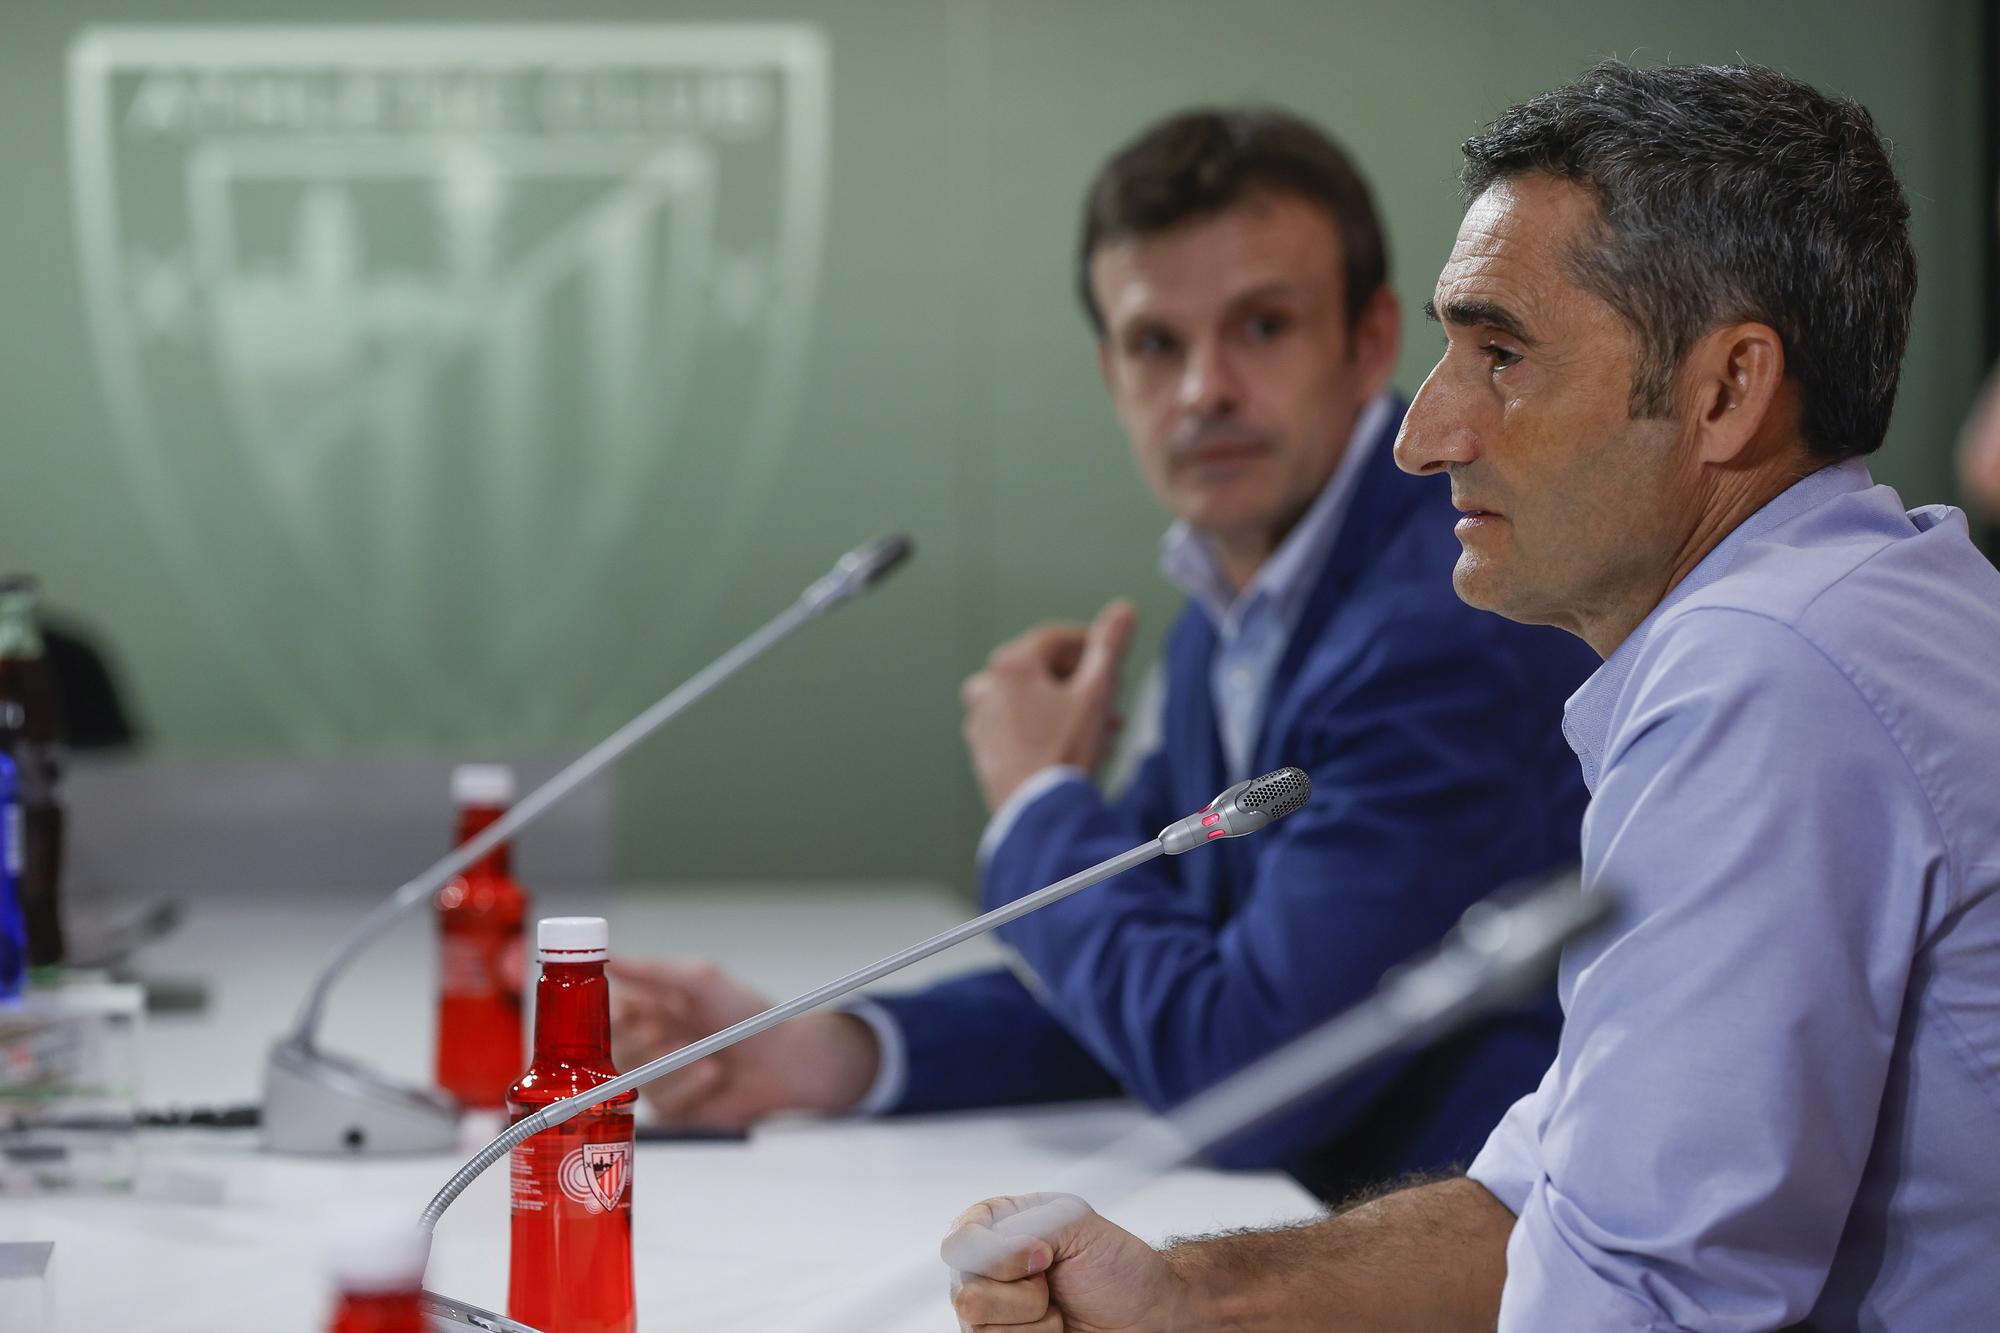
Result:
<point x="1478" y="584"/>
<point x="1223" y="513"/>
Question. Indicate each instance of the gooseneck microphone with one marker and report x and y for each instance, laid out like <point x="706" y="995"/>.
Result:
<point x="1242" y="809"/>
<point x="856" y="572"/>
<point x="317" y="1102"/>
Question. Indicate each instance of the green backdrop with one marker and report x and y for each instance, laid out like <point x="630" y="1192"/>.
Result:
<point x="392" y="388"/>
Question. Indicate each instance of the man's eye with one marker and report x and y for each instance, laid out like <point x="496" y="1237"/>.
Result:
<point x="1499" y="356"/>
<point x="1152" y="344"/>
<point x="1263" y="328"/>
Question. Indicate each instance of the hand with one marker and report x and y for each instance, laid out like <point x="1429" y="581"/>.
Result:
<point x="1049" y="1263"/>
<point x="1046" y="698"/>
<point x="817" y="1062"/>
<point x="1979" y="451"/>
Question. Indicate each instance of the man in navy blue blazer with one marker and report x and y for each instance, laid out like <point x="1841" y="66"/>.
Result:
<point x="1233" y="270"/>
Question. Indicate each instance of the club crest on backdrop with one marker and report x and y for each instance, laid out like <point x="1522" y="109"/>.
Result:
<point x="409" y="333"/>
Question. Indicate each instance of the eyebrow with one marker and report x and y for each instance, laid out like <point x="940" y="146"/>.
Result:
<point x="1264" y="291"/>
<point x="1480" y="314"/>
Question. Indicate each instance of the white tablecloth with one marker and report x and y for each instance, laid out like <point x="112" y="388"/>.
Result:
<point x="765" y="1235"/>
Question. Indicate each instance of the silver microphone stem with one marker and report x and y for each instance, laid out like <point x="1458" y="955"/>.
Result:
<point x="851" y="575"/>
<point x="1501" y="950"/>
<point x="557" y="1112"/>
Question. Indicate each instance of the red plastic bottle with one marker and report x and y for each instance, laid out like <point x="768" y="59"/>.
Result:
<point x="481" y="954"/>
<point x="378" y="1266"/>
<point x="571" y="1186"/>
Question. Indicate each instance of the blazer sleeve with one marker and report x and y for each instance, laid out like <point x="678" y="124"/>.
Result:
<point x="986" y="1039"/>
<point x="1423" y="800"/>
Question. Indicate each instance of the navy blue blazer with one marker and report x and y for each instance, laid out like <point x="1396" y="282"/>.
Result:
<point x="1432" y="732"/>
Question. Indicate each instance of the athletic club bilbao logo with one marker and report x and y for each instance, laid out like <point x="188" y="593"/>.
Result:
<point x="595" y="1175"/>
<point x="409" y="334"/>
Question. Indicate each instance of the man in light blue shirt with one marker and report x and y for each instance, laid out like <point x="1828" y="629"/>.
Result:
<point x="1776" y="1099"/>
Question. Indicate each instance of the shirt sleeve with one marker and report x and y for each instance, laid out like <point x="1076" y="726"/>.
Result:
<point x="1038" y="785"/>
<point x="892" y="1074"/>
<point x="1510" y="1162"/>
<point x="1693" y="1156"/>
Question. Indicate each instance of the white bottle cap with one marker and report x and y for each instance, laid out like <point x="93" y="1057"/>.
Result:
<point x="376" y="1250"/>
<point x="572" y="939"/>
<point x="482" y="784"/>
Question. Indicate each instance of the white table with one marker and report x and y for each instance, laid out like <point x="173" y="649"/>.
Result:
<point x="764" y="1235"/>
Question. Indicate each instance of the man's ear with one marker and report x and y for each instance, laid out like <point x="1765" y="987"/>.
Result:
<point x="1734" y="378"/>
<point x="1375" y="340"/>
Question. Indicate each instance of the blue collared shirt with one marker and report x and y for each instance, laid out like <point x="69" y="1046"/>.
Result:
<point x="1777" y="1094"/>
<point x="1253" y="626"/>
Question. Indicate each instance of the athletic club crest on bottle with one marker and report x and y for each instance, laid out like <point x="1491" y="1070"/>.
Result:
<point x="595" y="1175"/>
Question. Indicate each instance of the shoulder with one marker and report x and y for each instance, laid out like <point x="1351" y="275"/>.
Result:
<point x="1734" y="681"/>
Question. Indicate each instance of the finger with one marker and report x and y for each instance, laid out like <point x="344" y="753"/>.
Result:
<point x="646" y="987"/>
<point x="1060" y="654"/>
<point x="1053" y="1219"/>
<point x="635" y="1039"/>
<point x="680" y="1097"/>
<point x="988" y="1212"/>
<point x="985" y="1303"/>
<point x="977" y="1249"/>
<point x="1104" y="650"/>
<point x="974" y="689"/>
<point x="1052" y="647"/>
<point x="672" y="1014"/>
<point x="1052" y="1322"/>
<point x="680" y="974"/>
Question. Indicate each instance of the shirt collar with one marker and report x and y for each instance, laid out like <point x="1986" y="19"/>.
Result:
<point x="1283" y="580"/>
<point x="1587" y="714"/>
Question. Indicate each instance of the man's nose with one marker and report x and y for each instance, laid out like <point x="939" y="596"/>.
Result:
<point x="1209" y="383"/>
<point x="1437" y="432"/>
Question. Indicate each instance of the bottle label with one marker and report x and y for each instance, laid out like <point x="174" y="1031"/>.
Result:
<point x="524" y="1191"/>
<point x="471" y="967"/>
<point x="595" y="1175"/>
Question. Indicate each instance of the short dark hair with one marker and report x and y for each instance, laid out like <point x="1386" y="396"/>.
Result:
<point x="1727" y="193"/>
<point x="1202" y="161"/>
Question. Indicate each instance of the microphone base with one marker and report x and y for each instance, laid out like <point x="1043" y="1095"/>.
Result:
<point x="318" y="1104"/>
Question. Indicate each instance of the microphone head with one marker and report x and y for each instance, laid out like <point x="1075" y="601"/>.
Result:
<point x="874" y="561"/>
<point x="1276" y="794"/>
<point x="859" y="570"/>
<point x="1243" y="808"/>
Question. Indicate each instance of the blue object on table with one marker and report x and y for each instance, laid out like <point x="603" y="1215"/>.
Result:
<point x="13" y="932"/>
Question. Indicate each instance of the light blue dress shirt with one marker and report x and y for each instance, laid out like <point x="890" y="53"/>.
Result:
<point x="1777" y="1095"/>
<point x="1252" y="627"/>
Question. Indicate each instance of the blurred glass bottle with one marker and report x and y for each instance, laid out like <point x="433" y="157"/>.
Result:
<point x="481" y="954"/>
<point x="378" y="1261"/>
<point x="33" y="743"/>
<point x="13" y="936"/>
<point x="570" y="1186"/>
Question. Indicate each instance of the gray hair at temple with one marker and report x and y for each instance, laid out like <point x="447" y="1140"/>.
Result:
<point x="1731" y="193"/>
